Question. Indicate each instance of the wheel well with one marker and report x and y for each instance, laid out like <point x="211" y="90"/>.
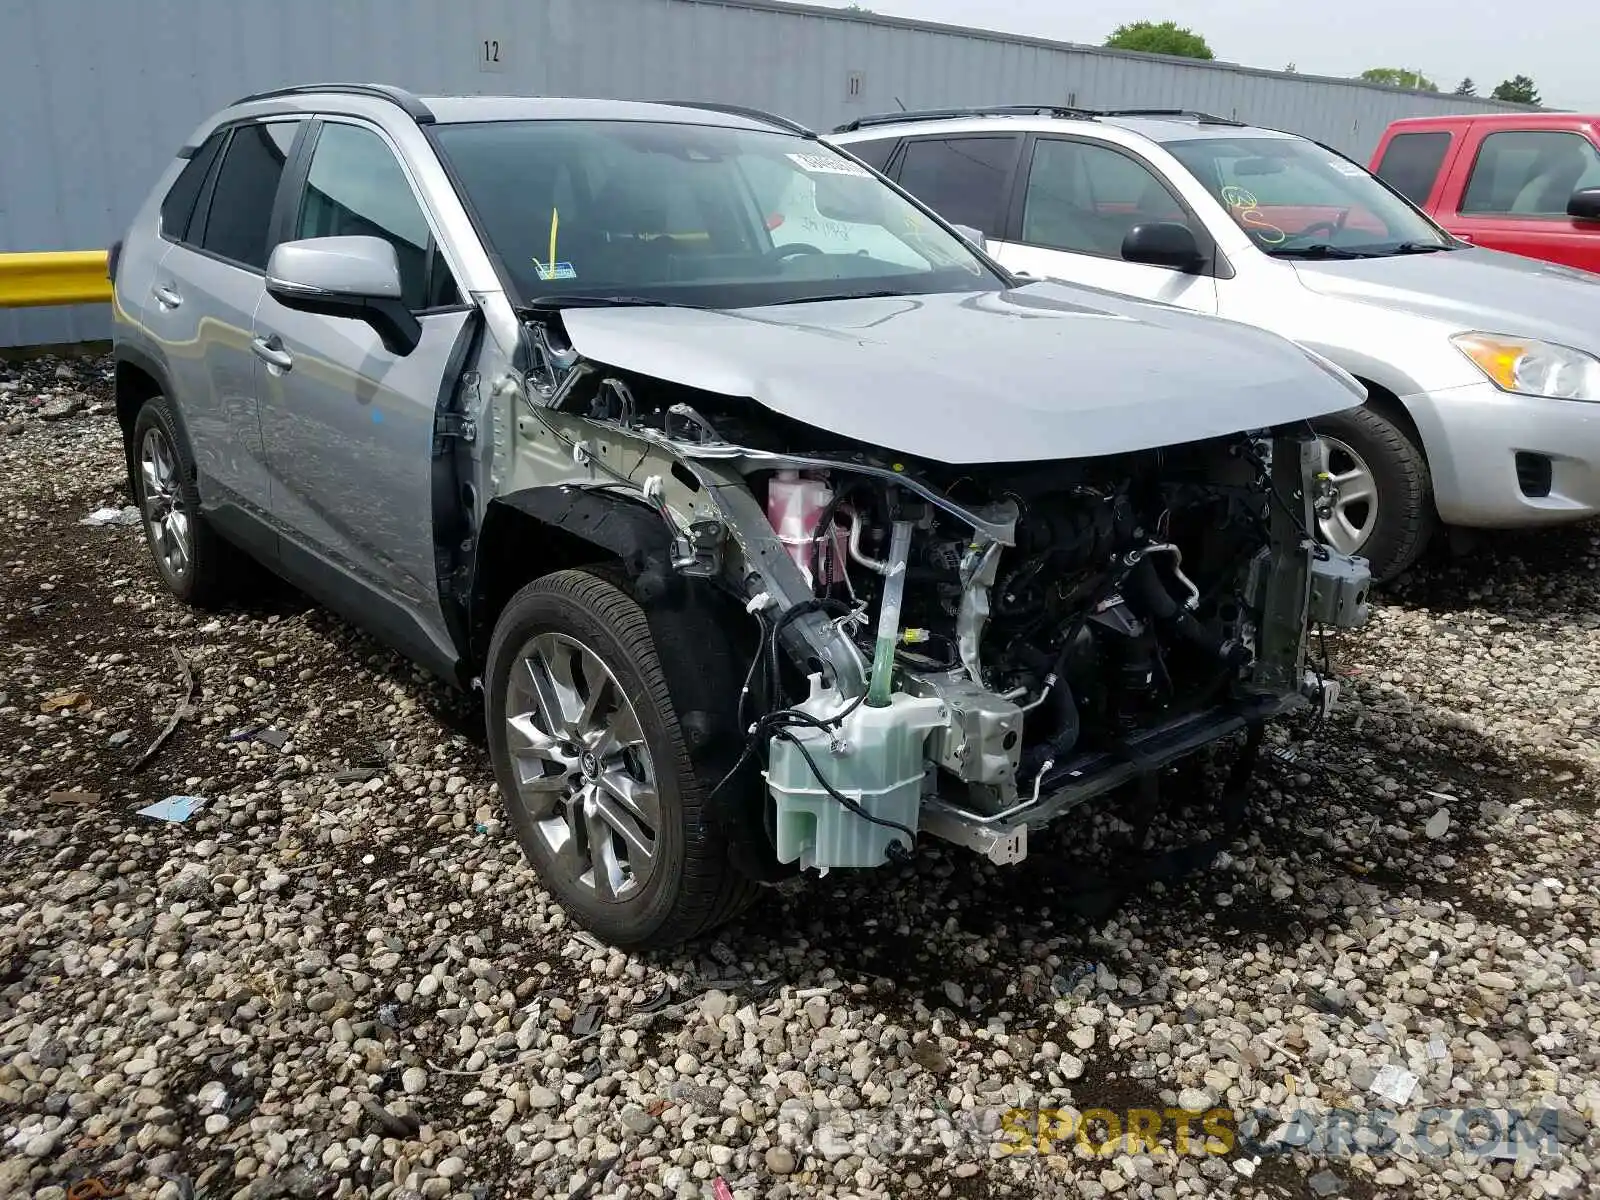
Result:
<point x="513" y="550"/>
<point x="1390" y="406"/>
<point x="133" y="387"/>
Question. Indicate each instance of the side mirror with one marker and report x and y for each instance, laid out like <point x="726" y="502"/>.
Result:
<point x="353" y="277"/>
<point x="1585" y="204"/>
<point x="1163" y="244"/>
<point x="975" y="236"/>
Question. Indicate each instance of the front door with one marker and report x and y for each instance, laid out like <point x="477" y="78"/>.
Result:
<point x="1516" y="195"/>
<point x="348" y="426"/>
<point x="1080" y="199"/>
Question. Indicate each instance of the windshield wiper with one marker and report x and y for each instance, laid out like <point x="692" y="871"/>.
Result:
<point x="828" y="299"/>
<point x="1419" y="247"/>
<point x="559" y="300"/>
<point x="1320" y="250"/>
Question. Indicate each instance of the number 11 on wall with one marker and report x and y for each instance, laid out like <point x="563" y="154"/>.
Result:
<point x="492" y="54"/>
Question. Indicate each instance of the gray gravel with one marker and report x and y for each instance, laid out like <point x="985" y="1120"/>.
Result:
<point x="338" y="978"/>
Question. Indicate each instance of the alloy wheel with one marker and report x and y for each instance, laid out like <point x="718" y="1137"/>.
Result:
<point x="1349" y="521"/>
<point x="584" y="775"/>
<point x="165" y="516"/>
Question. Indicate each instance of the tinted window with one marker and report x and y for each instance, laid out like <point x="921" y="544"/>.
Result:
<point x="875" y="153"/>
<point x="1530" y="174"/>
<point x="1085" y="198"/>
<point x="694" y="214"/>
<point x="240" y="214"/>
<point x="1411" y="163"/>
<point x="962" y="179"/>
<point x="356" y="187"/>
<point x="178" y="206"/>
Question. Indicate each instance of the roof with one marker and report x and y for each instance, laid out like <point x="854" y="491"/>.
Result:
<point x="370" y="98"/>
<point x="1160" y="129"/>
<point x="1167" y="129"/>
<point x="1519" y="120"/>
<point x="455" y="110"/>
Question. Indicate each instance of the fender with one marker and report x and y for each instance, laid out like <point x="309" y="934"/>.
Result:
<point x="618" y="526"/>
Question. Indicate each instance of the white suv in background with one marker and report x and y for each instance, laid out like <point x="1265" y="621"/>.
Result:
<point x="1481" y="368"/>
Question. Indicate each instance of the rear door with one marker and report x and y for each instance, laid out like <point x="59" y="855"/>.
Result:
<point x="1514" y="187"/>
<point x="1075" y="205"/>
<point x="349" y="426"/>
<point x="203" y="300"/>
<point x="966" y="178"/>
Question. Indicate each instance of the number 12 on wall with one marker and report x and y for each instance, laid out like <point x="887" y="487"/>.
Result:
<point x="492" y="54"/>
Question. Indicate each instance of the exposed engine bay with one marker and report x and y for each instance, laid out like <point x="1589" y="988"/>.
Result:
<point x="964" y="652"/>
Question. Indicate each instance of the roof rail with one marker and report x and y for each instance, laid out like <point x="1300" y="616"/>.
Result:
<point x="739" y="110"/>
<point x="947" y="114"/>
<point x="1203" y="118"/>
<point x="414" y="108"/>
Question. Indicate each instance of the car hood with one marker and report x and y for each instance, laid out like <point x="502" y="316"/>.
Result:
<point x="1473" y="289"/>
<point x="1034" y="373"/>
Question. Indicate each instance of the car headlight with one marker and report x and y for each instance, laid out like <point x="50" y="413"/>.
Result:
<point x="1532" y="368"/>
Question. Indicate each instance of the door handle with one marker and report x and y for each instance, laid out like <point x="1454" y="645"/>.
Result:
<point x="270" y="351"/>
<point x="166" y="296"/>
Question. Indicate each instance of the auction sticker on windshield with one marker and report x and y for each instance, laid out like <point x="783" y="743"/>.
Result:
<point x="820" y="164"/>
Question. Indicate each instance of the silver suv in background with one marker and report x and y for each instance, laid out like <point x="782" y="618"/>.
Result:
<point x="1482" y="368"/>
<point x="779" y="527"/>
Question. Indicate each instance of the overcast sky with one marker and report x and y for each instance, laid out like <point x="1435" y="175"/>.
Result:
<point x="1489" y="40"/>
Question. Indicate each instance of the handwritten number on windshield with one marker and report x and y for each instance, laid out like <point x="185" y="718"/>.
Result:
<point x="1242" y="205"/>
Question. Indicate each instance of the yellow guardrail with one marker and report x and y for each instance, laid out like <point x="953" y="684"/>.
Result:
<point x="64" y="277"/>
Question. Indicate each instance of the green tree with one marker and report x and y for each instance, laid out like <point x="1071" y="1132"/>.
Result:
<point x="1518" y="89"/>
<point x="1400" y="77"/>
<point x="1466" y="87"/>
<point x="1148" y="37"/>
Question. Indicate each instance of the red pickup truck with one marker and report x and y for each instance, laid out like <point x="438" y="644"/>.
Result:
<point x="1527" y="183"/>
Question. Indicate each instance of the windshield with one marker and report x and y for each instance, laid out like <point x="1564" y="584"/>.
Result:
<point x="1292" y="196"/>
<point x="637" y="212"/>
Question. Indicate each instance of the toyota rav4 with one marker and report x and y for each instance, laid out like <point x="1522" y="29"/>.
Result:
<point x="779" y="527"/>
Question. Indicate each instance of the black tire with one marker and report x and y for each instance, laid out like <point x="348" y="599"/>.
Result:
<point x="213" y="564"/>
<point x="1405" y="518"/>
<point x="692" y="886"/>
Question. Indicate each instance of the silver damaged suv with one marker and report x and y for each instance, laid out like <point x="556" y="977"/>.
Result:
<point x="766" y="557"/>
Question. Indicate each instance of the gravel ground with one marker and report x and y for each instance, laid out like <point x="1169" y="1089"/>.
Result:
<point x="337" y="977"/>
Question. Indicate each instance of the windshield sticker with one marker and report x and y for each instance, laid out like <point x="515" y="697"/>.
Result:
<point x="822" y="164"/>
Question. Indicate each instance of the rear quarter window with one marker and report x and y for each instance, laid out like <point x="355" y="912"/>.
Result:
<point x="1411" y="163"/>
<point x="177" y="209"/>
<point x="876" y="153"/>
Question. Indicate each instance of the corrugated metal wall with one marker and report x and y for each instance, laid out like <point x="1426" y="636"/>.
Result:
<point x="99" y="93"/>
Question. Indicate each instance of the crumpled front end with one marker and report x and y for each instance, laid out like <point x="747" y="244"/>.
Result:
<point x="963" y="652"/>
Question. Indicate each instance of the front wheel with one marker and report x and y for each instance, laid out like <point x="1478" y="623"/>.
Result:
<point x="1384" y="511"/>
<point x="594" y="770"/>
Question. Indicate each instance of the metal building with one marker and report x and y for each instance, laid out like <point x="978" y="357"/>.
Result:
<point x="98" y="94"/>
